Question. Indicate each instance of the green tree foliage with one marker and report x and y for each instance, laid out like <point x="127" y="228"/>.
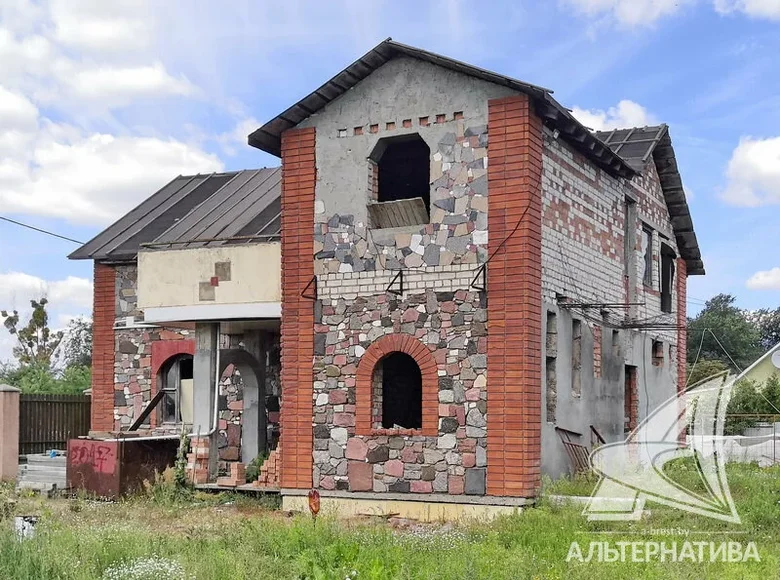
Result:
<point x="77" y="343"/>
<point x="738" y="336"/>
<point x="704" y="369"/>
<point x="769" y="326"/>
<point x="36" y="348"/>
<point x="751" y="403"/>
<point x="36" y="341"/>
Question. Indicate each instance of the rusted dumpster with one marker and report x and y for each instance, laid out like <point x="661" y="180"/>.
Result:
<point x="111" y="468"/>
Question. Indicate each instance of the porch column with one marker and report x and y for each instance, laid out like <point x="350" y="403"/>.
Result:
<point x="9" y="433"/>
<point x="204" y="375"/>
<point x="254" y="429"/>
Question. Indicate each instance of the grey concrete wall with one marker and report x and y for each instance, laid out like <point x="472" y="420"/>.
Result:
<point x="404" y="88"/>
<point x="601" y="402"/>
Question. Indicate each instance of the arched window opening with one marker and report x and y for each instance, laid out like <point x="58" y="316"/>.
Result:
<point x="398" y="392"/>
<point x="175" y="381"/>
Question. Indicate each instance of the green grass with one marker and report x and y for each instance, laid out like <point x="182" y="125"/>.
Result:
<point x="234" y="537"/>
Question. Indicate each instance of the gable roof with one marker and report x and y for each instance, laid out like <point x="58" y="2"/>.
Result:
<point x="195" y="210"/>
<point x="637" y="145"/>
<point x="268" y="137"/>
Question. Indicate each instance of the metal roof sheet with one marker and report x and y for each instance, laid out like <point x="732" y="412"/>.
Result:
<point x="193" y="211"/>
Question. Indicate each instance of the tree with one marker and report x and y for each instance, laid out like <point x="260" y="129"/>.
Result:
<point x="704" y="369"/>
<point x="37" y="342"/>
<point x="77" y="343"/>
<point x="724" y="333"/>
<point x="769" y="326"/>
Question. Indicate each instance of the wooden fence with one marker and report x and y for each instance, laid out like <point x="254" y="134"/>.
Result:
<point x="48" y="421"/>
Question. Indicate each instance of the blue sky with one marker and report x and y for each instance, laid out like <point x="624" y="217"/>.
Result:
<point x="103" y="102"/>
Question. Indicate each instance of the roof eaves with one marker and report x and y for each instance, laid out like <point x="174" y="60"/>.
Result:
<point x="268" y="137"/>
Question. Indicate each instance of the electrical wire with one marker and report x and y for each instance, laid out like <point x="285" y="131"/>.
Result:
<point x="47" y="232"/>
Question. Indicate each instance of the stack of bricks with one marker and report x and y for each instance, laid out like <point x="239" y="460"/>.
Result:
<point x="237" y="476"/>
<point x="269" y="471"/>
<point x="198" y="461"/>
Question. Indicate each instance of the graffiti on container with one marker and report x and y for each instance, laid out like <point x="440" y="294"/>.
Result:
<point x="99" y="455"/>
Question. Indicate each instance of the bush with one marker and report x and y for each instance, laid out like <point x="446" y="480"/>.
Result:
<point x="253" y="468"/>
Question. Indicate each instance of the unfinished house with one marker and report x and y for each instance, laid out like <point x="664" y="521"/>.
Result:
<point x="469" y="286"/>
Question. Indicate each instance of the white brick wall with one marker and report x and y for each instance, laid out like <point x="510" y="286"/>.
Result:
<point x="438" y="278"/>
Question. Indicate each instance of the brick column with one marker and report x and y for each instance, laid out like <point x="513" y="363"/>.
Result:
<point x="682" y="321"/>
<point x="103" y="351"/>
<point x="297" y="328"/>
<point x="514" y="298"/>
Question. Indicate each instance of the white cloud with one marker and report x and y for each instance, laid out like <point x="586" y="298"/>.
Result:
<point x="765" y="280"/>
<point x="629" y="12"/>
<point x="236" y="138"/>
<point x="755" y="8"/>
<point x="93" y="178"/>
<point x="753" y="173"/>
<point x="18" y="288"/>
<point x="116" y="86"/>
<point x="625" y="114"/>
<point x="102" y="26"/>
<point x="17" y="112"/>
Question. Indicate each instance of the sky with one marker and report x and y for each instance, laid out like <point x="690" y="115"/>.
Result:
<point x="102" y="103"/>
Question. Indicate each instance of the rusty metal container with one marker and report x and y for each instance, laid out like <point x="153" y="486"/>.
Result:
<point x="111" y="469"/>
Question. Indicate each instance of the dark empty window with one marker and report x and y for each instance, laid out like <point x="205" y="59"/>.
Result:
<point x="401" y="392"/>
<point x="667" y="277"/>
<point x="658" y="353"/>
<point x="400" y="172"/>
<point x="176" y="382"/>
<point x="647" y="246"/>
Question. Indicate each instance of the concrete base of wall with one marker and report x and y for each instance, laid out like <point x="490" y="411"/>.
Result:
<point x="423" y="510"/>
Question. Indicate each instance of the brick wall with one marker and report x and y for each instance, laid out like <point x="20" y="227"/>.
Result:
<point x="103" y="348"/>
<point x="514" y="297"/>
<point x="298" y="183"/>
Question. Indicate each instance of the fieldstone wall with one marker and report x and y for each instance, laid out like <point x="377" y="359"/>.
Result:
<point x="456" y="234"/>
<point x="453" y="326"/>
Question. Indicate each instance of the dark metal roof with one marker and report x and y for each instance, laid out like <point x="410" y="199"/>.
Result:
<point x="268" y="137"/>
<point x="637" y="145"/>
<point x="195" y="210"/>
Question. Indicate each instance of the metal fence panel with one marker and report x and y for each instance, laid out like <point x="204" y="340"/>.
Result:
<point x="48" y="421"/>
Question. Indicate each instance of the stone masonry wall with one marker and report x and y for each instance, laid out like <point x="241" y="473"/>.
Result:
<point x="452" y="325"/>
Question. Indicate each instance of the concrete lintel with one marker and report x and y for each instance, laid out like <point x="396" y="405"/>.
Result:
<point x="490" y="500"/>
<point x="213" y="312"/>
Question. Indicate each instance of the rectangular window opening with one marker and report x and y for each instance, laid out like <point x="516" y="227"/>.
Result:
<point x="658" y="353"/>
<point x="647" y="248"/>
<point x="668" y="256"/>
<point x="551" y="350"/>
<point x="576" y="357"/>
<point x="631" y="401"/>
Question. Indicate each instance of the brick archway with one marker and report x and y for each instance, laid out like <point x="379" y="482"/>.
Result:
<point x="382" y="347"/>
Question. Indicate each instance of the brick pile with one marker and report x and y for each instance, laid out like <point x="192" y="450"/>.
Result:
<point x="269" y="471"/>
<point x="237" y="476"/>
<point x="198" y="461"/>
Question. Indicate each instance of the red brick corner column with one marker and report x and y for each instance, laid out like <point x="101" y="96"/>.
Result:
<point x="682" y="325"/>
<point x="296" y="442"/>
<point x="514" y="286"/>
<point x="382" y="347"/>
<point x="103" y="351"/>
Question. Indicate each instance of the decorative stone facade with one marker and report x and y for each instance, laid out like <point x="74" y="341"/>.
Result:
<point x="456" y="234"/>
<point x="452" y="327"/>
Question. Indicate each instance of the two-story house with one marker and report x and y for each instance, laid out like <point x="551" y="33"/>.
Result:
<point x="464" y="278"/>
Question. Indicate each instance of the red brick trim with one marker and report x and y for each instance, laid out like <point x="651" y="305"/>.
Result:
<point x="162" y="350"/>
<point x="682" y="325"/>
<point x="382" y="347"/>
<point x="299" y="175"/>
<point x="514" y="387"/>
<point x="103" y="314"/>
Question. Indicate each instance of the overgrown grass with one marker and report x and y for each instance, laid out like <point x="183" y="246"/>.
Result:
<point x="229" y="536"/>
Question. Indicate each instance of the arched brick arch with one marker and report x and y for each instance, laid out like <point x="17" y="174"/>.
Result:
<point x="163" y="351"/>
<point x="382" y="347"/>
